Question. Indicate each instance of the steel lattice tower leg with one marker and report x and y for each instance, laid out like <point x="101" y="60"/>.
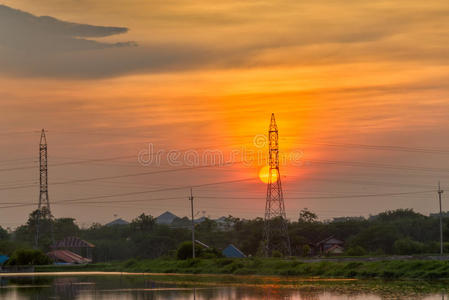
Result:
<point x="43" y="208"/>
<point x="276" y="227"/>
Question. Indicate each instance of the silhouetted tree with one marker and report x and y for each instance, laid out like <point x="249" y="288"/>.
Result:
<point x="143" y="223"/>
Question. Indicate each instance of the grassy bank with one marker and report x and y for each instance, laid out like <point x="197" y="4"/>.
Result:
<point x="416" y="269"/>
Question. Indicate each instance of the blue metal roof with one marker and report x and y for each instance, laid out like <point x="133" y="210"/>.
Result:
<point x="3" y="259"/>
<point x="232" y="251"/>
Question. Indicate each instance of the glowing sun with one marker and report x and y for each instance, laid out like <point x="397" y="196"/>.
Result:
<point x="264" y="175"/>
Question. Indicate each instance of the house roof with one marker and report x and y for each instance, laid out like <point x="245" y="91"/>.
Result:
<point x="232" y="251"/>
<point x="3" y="259"/>
<point x="118" y="221"/>
<point x="335" y="247"/>
<point x="200" y="220"/>
<point x="202" y="244"/>
<point x="330" y="240"/>
<point x="67" y="257"/>
<point x="166" y="218"/>
<point x="72" y="242"/>
<point x="221" y="219"/>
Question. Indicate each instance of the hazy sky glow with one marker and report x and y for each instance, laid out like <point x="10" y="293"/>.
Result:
<point x="359" y="89"/>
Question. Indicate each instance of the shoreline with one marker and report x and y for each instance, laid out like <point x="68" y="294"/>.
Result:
<point x="367" y="269"/>
<point x="112" y="273"/>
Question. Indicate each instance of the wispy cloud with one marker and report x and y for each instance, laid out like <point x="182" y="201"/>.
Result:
<point x="178" y="36"/>
<point x="21" y="31"/>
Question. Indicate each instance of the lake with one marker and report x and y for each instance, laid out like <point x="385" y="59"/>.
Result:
<point x="118" y="287"/>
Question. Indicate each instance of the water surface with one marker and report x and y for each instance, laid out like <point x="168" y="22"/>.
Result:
<point x="87" y="287"/>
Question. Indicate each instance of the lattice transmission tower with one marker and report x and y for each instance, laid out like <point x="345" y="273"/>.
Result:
<point x="43" y="209"/>
<point x="275" y="227"/>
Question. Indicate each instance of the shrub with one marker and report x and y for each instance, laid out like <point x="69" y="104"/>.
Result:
<point x="210" y="253"/>
<point x="185" y="251"/>
<point x="379" y="252"/>
<point x="389" y="274"/>
<point x="353" y="265"/>
<point x="130" y="263"/>
<point x="276" y="254"/>
<point x="231" y="268"/>
<point x="225" y="261"/>
<point x="306" y="250"/>
<point x="356" y="251"/>
<point x="190" y="263"/>
<point x="352" y="274"/>
<point x="407" y="246"/>
<point x="7" y="247"/>
<point x="290" y="272"/>
<point x="243" y="271"/>
<point x="28" y="257"/>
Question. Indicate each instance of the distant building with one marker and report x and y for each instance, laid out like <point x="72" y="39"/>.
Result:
<point x="346" y="219"/>
<point x="200" y="220"/>
<point x="67" y="257"/>
<point x="118" y="221"/>
<point x="3" y="259"/>
<point x="202" y="244"/>
<point x="437" y="215"/>
<point x="335" y="250"/>
<point x="221" y="220"/>
<point x="181" y="222"/>
<point x="224" y="223"/>
<point x="166" y="218"/>
<point x="76" y="246"/>
<point x="232" y="251"/>
<point x="329" y="245"/>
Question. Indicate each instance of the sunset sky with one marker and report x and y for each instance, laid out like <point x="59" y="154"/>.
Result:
<point x="359" y="89"/>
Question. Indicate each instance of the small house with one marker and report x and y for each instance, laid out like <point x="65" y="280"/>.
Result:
<point x="117" y="222"/>
<point x="232" y="251"/>
<point x="335" y="250"/>
<point x="166" y="218"/>
<point x="67" y="257"/>
<point x="75" y="245"/>
<point x="3" y="259"/>
<point x="329" y="245"/>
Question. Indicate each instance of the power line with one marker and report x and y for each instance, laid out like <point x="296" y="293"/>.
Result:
<point x="305" y="163"/>
<point x="362" y="182"/>
<point x="326" y="197"/>
<point x="122" y="176"/>
<point x="71" y="163"/>
<point x="96" y="160"/>
<point x="380" y="147"/>
<point x="367" y="195"/>
<point x="158" y="190"/>
<point x="14" y="133"/>
<point x="17" y="160"/>
<point x="135" y="193"/>
<point x="130" y="201"/>
<point x="377" y="165"/>
<point x="79" y="200"/>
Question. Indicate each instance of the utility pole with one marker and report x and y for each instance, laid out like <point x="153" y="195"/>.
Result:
<point x="193" y="223"/>
<point x="440" y="192"/>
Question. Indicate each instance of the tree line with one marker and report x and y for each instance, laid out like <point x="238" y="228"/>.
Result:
<point x="401" y="231"/>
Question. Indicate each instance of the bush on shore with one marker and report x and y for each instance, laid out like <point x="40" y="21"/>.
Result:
<point x="24" y="257"/>
<point x="356" y="251"/>
<point x="185" y="251"/>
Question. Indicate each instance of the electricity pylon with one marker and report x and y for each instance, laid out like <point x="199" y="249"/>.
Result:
<point x="43" y="208"/>
<point x="276" y="227"/>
